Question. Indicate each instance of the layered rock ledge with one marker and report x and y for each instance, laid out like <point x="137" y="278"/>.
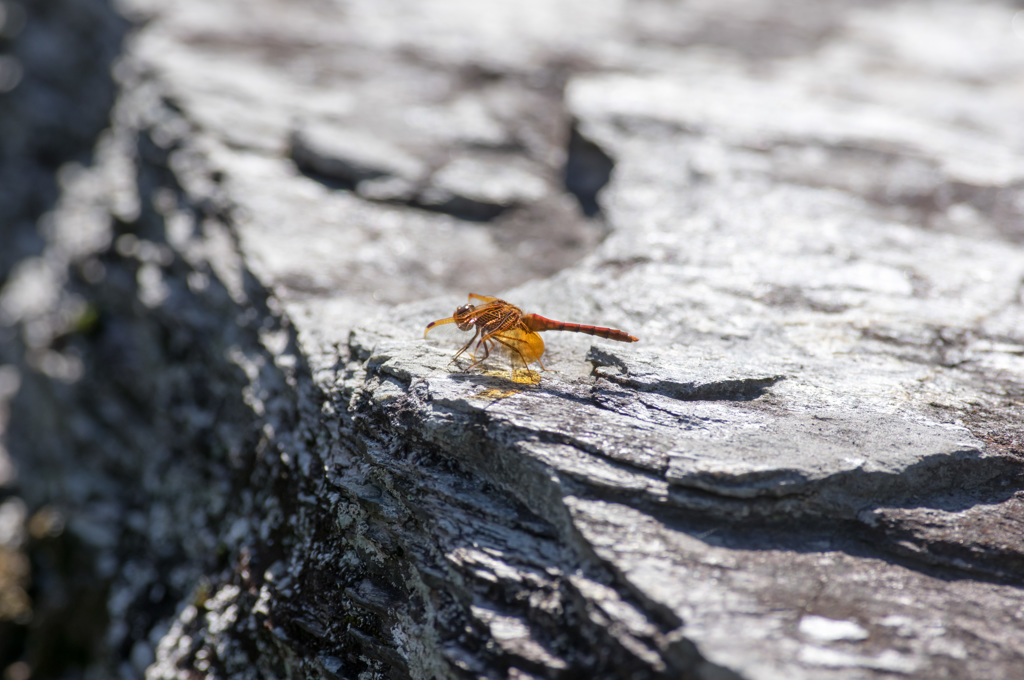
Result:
<point x="229" y="451"/>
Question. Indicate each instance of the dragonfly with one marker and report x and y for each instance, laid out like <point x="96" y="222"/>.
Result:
<point x="501" y="325"/>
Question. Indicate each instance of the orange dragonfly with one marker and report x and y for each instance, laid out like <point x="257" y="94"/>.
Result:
<point x="499" y="324"/>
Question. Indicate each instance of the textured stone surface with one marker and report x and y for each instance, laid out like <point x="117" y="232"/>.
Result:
<point x="224" y="428"/>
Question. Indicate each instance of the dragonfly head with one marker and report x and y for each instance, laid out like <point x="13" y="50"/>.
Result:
<point x="464" y="317"/>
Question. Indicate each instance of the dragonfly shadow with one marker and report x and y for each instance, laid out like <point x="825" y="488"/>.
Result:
<point x="496" y="385"/>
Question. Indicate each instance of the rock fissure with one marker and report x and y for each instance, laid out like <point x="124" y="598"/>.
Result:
<point x="229" y="451"/>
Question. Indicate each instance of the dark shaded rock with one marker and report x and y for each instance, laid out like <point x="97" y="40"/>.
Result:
<point x="215" y="383"/>
<point x="56" y="91"/>
<point x="587" y="171"/>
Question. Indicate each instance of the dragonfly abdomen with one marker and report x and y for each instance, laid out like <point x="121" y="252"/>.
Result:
<point x="538" y="323"/>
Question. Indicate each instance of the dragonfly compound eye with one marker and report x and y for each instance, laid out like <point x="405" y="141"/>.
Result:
<point x="462" y="317"/>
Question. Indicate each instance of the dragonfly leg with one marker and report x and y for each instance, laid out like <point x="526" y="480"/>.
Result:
<point x="465" y="347"/>
<point x="485" y="344"/>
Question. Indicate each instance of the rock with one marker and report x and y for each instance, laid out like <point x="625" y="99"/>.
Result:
<point x="218" y="391"/>
<point x="57" y="85"/>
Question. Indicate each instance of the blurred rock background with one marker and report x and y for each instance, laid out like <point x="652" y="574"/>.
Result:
<point x="227" y="452"/>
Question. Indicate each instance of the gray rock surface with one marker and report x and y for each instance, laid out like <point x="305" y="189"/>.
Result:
<point x="223" y="427"/>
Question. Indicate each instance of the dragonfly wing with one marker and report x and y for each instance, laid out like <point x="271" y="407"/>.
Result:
<point x="523" y="345"/>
